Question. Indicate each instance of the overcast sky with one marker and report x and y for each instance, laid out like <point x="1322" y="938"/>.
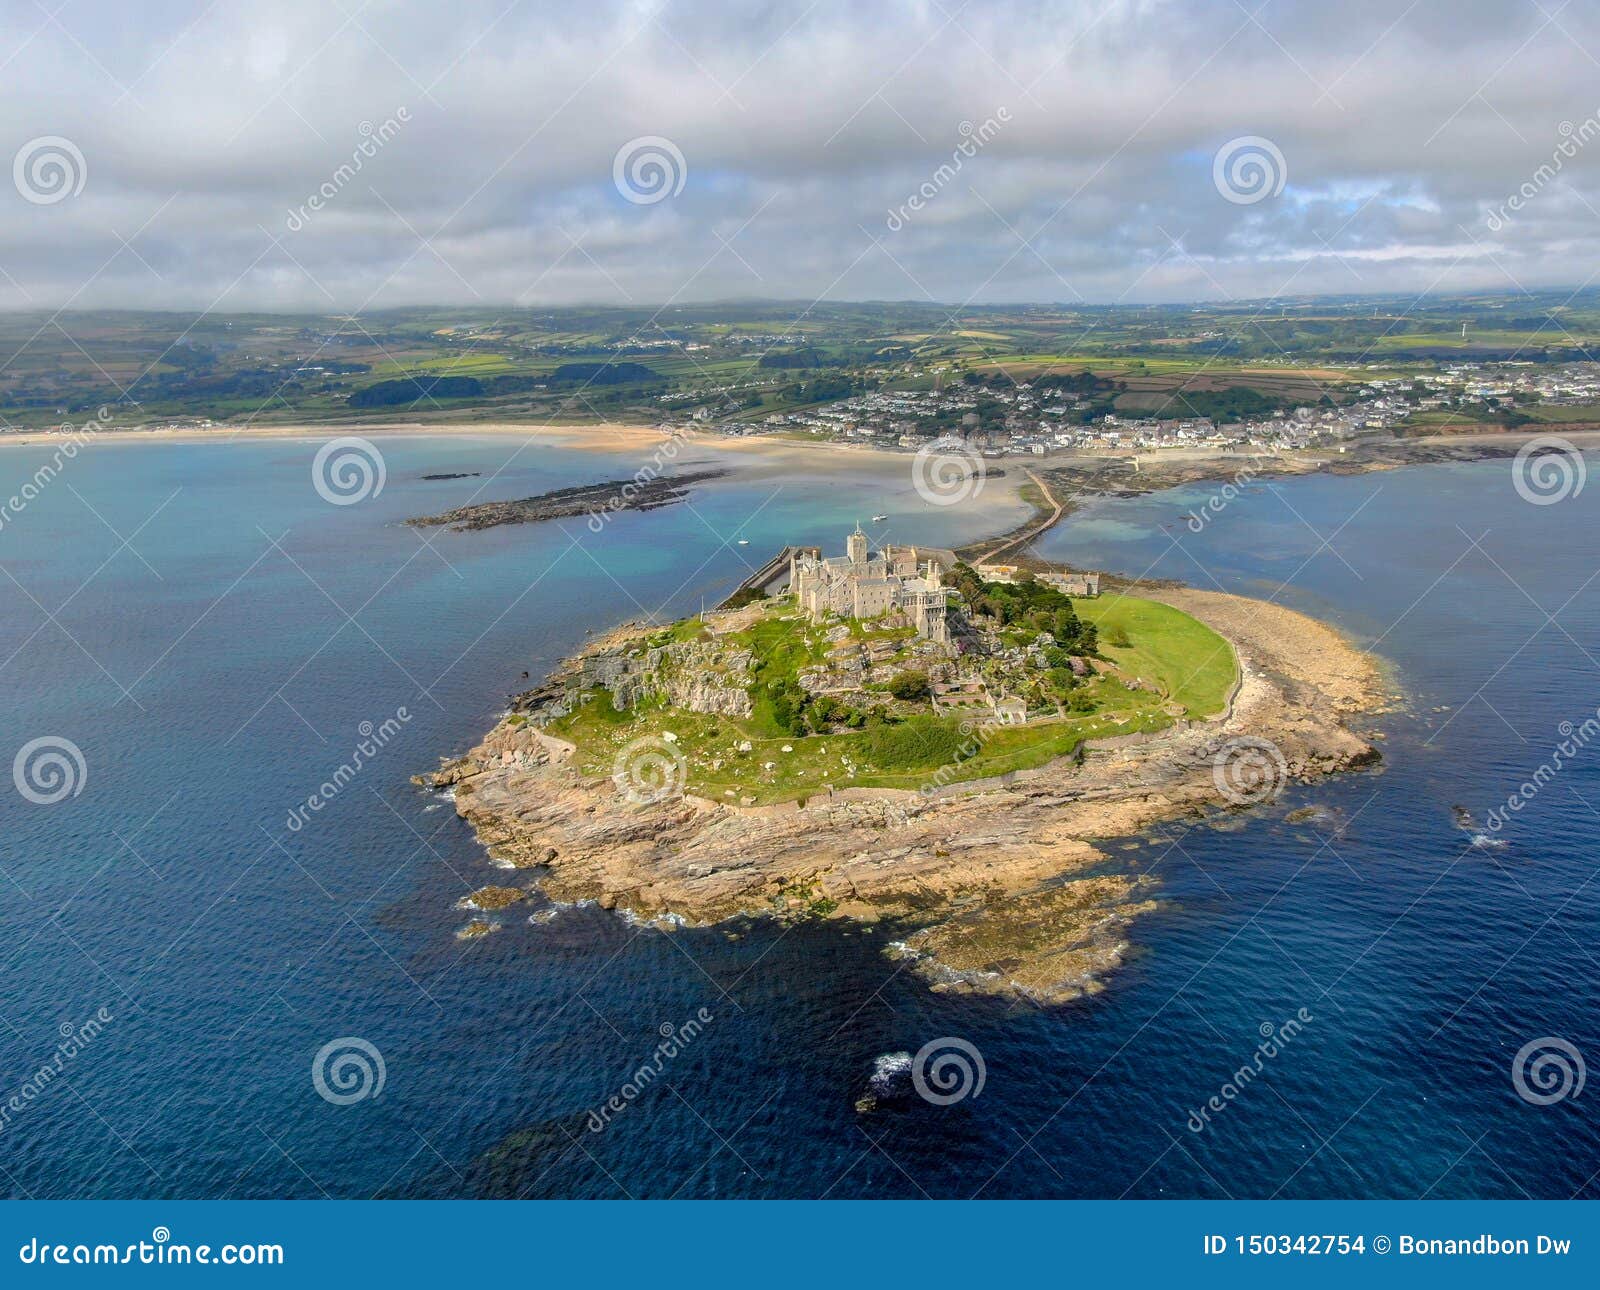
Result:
<point x="166" y="154"/>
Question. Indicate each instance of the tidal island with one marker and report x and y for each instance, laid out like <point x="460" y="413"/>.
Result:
<point x="900" y="735"/>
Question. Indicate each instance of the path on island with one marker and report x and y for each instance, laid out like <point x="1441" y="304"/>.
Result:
<point x="1043" y="526"/>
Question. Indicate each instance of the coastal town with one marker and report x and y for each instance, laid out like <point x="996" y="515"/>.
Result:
<point x="1032" y="417"/>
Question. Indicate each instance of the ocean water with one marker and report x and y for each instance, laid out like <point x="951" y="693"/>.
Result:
<point x="210" y="634"/>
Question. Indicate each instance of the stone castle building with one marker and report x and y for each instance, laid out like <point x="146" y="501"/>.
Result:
<point x="862" y="585"/>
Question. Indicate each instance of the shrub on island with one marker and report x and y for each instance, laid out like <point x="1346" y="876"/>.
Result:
<point x="913" y="744"/>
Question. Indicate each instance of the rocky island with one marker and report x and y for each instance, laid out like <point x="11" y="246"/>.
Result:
<point x="893" y="735"/>
<point x="638" y="494"/>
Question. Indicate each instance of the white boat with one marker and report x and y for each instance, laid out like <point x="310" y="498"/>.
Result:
<point x="878" y="519"/>
<point x="744" y="541"/>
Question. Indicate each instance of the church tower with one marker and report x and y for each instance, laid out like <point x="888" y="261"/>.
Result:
<point x="856" y="548"/>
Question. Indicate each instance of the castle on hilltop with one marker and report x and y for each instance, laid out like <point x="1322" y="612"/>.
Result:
<point x="863" y="585"/>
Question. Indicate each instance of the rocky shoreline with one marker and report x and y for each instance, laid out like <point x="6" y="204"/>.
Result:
<point x="992" y="883"/>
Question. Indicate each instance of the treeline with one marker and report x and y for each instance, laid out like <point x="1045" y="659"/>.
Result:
<point x="413" y="389"/>
<point x="824" y="389"/>
<point x="406" y="390"/>
<point x="1084" y="383"/>
<point x="807" y="356"/>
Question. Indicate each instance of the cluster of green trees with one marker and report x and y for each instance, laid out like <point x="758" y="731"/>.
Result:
<point x="1026" y="603"/>
<point x="806" y="356"/>
<point x="823" y="389"/>
<point x="887" y="742"/>
<point x="413" y="389"/>
<point x="1082" y="382"/>
<point x="914" y="743"/>
<point x="603" y="374"/>
<point x="797" y="713"/>
<point x="1235" y="403"/>
<point x="911" y="685"/>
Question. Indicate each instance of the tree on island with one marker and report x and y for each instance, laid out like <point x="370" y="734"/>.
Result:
<point x="911" y="685"/>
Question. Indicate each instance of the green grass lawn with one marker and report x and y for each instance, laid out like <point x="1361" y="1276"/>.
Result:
<point x="1444" y="417"/>
<point x="1190" y="662"/>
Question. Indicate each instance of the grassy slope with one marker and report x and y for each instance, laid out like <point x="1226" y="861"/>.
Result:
<point x="1192" y="664"/>
<point x="1184" y="660"/>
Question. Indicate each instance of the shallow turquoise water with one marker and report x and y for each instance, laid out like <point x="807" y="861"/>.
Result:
<point x="217" y="668"/>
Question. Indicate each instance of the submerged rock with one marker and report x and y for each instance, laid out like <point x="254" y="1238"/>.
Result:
<point x="494" y="897"/>
<point x="890" y="1082"/>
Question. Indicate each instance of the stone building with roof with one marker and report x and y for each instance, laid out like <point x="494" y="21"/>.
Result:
<point x="860" y="584"/>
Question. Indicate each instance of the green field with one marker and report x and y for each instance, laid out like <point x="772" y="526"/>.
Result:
<point x="1564" y="413"/>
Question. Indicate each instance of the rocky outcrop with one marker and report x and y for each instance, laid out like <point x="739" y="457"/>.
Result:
<point x="696" y="675"/>
<point x="703" y="677"/>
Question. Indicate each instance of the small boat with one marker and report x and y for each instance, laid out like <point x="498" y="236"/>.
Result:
<point x="878" y="519"/>
<point x="744" y="541"/>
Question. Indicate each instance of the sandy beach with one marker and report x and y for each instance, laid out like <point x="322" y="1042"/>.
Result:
<point x="599" y="437"/>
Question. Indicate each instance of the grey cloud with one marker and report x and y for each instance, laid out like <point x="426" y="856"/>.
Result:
<point x="803" y="128"/>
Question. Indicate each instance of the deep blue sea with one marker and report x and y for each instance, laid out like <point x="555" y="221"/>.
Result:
<point x="210" y="634"/>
